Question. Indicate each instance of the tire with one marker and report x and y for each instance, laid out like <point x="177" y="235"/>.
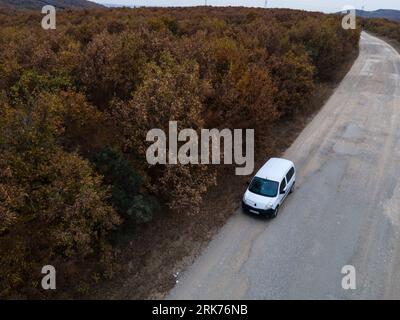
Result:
<point x="292" y="188"/>
<point x="275" y="213"/>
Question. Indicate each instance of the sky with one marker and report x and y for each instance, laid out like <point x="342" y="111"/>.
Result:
<point x="314" y="5"/>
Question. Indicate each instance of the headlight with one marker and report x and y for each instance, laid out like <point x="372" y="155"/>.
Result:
<point x="269" y="205"/>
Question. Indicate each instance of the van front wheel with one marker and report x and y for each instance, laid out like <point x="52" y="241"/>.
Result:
<point x="275" y="212"/>
<point x="292" y="188"/>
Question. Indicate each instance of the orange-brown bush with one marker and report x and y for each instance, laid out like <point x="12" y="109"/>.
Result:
<point x="102" y="79"/>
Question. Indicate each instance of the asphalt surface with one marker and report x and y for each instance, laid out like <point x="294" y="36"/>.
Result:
<point x="345" y="209"/>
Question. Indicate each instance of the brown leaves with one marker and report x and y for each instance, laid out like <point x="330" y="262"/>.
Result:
<point x="170" y="92"/>
<point x="294" y="75"/>
<point x="111" y="66"/>
<point x="60" y="210"/>
<point x="52" y="204"/>
<point x="76" y="207"/>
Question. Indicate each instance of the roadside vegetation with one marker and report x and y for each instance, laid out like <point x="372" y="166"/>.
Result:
<point x="387" y="29"/>
<point x="383" y="27"/>
<point x="76" y="104"/>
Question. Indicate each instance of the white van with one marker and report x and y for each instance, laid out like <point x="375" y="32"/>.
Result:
<point x="270" y="186"/>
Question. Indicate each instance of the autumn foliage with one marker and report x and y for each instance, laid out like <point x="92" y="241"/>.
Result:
<point x="383" y="27"/>
<point x="76" y="104"/>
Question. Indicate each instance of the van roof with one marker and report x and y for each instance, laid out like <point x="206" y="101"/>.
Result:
<point x="275" y="169"/>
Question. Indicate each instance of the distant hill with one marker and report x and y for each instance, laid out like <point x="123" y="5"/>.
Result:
<point x="38" y="4"/>
<point x="382" y="13"/>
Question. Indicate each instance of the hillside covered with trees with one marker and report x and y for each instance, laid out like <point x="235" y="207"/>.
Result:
<point x="76" y="104"/>
<point x="38" y="4"/>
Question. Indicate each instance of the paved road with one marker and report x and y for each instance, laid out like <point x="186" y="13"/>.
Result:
<point x="344" y="211"/>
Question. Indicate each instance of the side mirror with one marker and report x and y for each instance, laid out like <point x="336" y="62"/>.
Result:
<point x="248" y="182"/>
<point x="284" y="190"/>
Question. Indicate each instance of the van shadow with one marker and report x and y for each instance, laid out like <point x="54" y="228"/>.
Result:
<point x="259" y="217"/>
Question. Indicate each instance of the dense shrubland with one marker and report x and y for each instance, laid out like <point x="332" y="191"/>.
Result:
<point x="76" y="104"/>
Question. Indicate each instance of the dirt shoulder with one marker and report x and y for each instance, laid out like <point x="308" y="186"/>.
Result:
<point x="168" y="245"/>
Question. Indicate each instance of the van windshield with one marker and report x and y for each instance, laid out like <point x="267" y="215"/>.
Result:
<point x="264" y="187"/>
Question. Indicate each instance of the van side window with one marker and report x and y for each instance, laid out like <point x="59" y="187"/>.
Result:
<point x="290" y="174"/>
<point x="283" y="185"/>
